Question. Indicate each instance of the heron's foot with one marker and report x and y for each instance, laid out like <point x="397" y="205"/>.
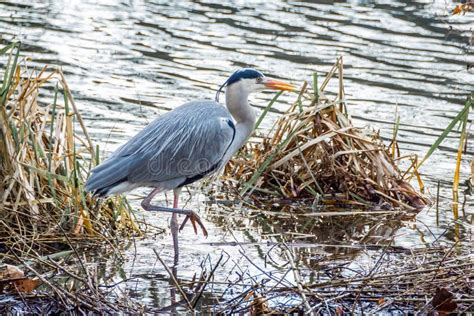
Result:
<point x="195" y="219"/>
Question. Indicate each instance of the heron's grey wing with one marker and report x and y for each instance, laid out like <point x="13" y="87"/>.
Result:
<point x="185" y="143"/>
<point x="191" y="143"/>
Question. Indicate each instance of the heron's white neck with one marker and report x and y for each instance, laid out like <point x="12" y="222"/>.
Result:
<point x="236" y="97"/>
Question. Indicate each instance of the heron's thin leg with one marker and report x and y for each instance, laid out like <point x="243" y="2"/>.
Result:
<point x="175" y="227"/>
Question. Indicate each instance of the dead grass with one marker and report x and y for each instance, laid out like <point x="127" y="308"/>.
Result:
<point x="314" y="151"/>
<point x="45" y="156"/>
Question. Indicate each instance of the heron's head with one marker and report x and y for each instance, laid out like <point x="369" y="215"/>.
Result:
<point x="248" y="80"/>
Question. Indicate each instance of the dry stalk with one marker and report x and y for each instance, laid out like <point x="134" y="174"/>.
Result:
<point x="315" y="151"/>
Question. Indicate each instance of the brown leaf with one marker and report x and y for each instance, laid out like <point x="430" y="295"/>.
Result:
<point x="457" y="10"/>
<point x="27" y="285"/>
<point x="443" y="301"/>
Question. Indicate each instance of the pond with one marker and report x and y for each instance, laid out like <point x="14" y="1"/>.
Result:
<point x="129" y="61"/>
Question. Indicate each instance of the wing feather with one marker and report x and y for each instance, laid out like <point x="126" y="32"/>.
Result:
<point x="187" y="141"/>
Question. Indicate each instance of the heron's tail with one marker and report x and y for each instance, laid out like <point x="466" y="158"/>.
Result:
<point x="108" y="178"/>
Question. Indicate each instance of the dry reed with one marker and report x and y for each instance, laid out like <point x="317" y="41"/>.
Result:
<point x="44" y="162"/>
<point x="45" y="156"/>
<point x="314" y="151"/>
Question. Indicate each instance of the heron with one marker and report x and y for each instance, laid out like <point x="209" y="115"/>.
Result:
<point x="183" y="146"/>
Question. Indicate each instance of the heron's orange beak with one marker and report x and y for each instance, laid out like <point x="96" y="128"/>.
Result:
<point x="278" y="85"/>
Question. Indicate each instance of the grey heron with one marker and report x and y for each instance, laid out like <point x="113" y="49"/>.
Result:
<point x="184" y="145"/>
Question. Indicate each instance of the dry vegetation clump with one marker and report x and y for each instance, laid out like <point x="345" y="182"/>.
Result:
<point x="45" y="155"/>
<point x="44" y="163"/>
<point x="314" y="151"/>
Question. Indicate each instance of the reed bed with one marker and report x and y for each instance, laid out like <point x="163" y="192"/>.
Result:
<point x="314" y="151"/>
<point x="45" y="156"/>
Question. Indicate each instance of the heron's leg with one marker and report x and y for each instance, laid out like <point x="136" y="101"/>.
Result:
<point x="174" y="226"/>
<point x="146" y="204"/>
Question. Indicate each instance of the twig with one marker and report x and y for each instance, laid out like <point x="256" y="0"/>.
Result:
<point x="299" y="283"/>
<point x="195" y="299"/>
<point x="185" y="297"/>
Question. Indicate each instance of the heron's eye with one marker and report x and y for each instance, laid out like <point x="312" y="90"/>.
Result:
<point x="259" y="79"/>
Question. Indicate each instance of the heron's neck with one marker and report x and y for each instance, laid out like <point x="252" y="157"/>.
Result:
<point x="236" y="98"/>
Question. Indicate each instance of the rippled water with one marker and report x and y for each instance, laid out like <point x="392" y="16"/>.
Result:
<point x="128" y="61"/>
